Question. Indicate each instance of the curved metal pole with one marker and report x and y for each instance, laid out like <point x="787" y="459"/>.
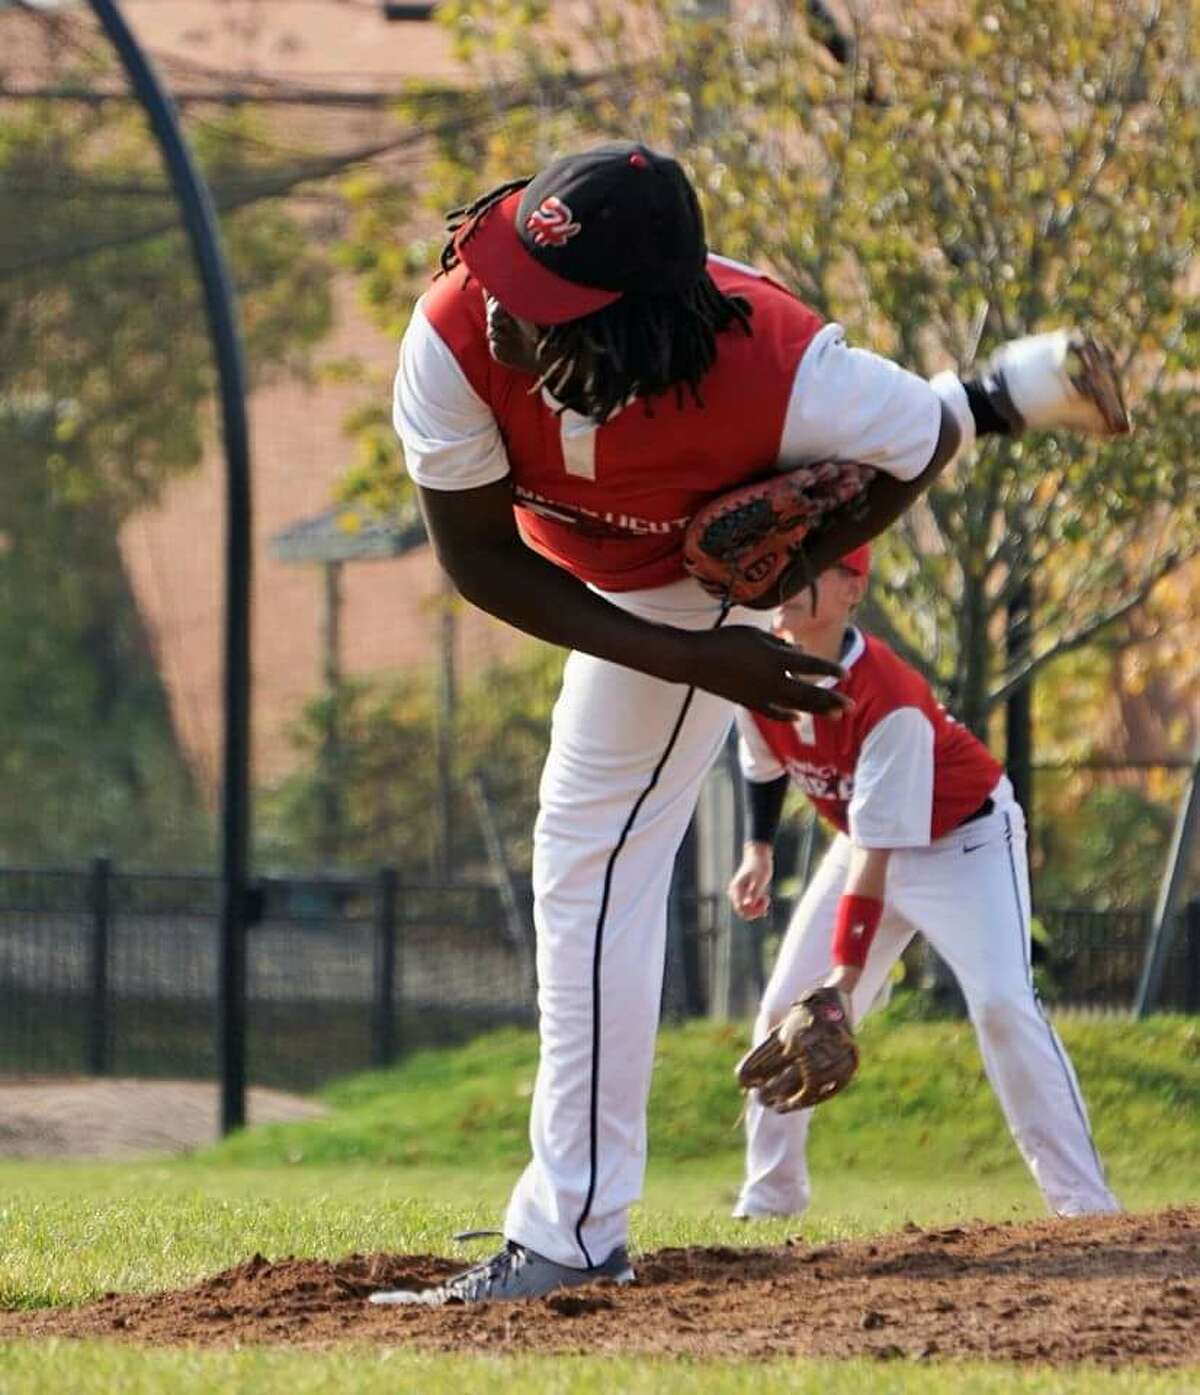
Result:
<point x="201" y="223"/>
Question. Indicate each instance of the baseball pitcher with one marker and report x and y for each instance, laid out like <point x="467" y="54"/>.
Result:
<point x="580" y="382"/>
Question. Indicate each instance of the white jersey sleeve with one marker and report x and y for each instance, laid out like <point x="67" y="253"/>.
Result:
<point x="850" y="404"/>
<point x="892" y="803"/>
<point x="450" y="437"/>
<point x="758" y="762"/>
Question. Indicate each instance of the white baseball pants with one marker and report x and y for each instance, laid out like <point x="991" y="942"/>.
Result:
<point x="627" y="756"/>
<point x="968" y="894"/>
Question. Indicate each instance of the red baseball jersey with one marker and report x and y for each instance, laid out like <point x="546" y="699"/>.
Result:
<point x="896" y="772"/>
<point x="610" y="501"/>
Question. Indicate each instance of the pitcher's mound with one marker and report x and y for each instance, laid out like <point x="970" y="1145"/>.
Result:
<point x="1115" y="1290"/>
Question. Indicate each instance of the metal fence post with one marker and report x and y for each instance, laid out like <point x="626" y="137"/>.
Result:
<point x="673" y="1004"/>
<point x="99" y="896"/>
<point x="1191" y="988"/>
<point x="1159" y="945"/>
<point x="385" y="969"/>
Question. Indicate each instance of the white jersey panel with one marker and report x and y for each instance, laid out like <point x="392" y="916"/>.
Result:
<point x="851" y="404"/>
<point x="758" y="762"/>
<point x="892" y="804"/>
<point x="449" y="433"/>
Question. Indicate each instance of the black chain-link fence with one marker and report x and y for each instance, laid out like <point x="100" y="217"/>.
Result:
<point x="108" y="973"/>
<point x="103" y="972"/>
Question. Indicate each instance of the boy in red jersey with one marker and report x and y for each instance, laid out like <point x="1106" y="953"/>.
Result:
<point x="930" y="840"/>
<point x="581" y="377"/>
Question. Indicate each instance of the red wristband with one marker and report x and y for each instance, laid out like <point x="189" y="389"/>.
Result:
<point x="857" y="920"/>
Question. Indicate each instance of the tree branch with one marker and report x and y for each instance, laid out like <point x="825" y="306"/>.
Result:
<point x="876" y="620"/>
<point x="1172" y="561"/>
<point x="1057" y="225"/>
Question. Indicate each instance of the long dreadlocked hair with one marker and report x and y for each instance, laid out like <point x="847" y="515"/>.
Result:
<point x="643" y="345"/>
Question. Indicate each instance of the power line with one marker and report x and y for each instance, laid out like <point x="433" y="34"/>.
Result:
<point x="436" y="112"/>
<point x="232" y="97"/>
<point x="226" y="201"/>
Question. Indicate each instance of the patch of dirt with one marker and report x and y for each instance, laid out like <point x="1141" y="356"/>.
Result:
<point x="108" y="1118"/>
<point x="1114" y="1290"/>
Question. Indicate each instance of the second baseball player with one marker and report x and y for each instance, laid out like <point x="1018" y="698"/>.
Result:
<point x="929" y="839"/>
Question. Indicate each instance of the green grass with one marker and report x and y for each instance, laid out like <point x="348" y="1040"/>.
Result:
<point x="101" y="1368"/>
<point x="407" y="1157"/>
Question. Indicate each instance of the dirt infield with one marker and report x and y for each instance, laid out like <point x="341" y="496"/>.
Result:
<point x="1112" y="1290"/>
<point x="118" y="1118"/>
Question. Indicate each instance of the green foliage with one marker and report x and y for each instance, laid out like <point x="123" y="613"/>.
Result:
<point x="385" y="771"/>
<point x="1115" y="845"/>
<point x="1052" y="181"/>
<point x="106" y="386"/>
<point x="383" y="777"/>
<point x="86" y="746"/>
<point x="106" y="321"/>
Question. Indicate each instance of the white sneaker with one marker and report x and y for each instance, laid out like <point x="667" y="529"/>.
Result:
<point x="1062" y="379"/>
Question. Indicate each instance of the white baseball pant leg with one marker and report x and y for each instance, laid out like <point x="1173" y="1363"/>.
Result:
<point x="776" y="1181"/>
<point x="969" y="895"/>
<point x="627" y="757"/>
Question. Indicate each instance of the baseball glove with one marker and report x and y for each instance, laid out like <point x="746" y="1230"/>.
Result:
<point x="740" y="544"/>
<point x="807" y="1058"/>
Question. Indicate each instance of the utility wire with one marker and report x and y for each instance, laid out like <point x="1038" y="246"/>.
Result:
<point x="231" y="97"/>
<point x="226" y="200"/>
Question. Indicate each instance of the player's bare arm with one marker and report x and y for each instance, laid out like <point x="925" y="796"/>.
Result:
<point x="887" y="498"/>
<point x="477" y="542"/>
<point x="1064" y="380"/>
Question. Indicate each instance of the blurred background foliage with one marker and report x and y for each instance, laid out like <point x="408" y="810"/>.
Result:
<point x="106" y="383"/>
<point x="939" y="185"/>
<point x="940" y="179"/>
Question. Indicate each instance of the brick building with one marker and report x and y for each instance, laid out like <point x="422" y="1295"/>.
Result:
<point x="299" y="445"/>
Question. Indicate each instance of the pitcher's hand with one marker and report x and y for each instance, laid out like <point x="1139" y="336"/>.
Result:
<point x="760" y="671"/>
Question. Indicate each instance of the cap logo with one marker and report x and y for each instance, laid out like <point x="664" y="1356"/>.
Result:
<point x="552" y="224"/>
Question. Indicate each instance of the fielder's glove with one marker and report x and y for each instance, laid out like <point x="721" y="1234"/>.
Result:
<point x="740" y="544"/>
<point x="807" y="1058"/>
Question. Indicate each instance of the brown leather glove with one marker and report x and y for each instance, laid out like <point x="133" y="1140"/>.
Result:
<point x="807" y="1058"/>
<point x="740" y="544"/>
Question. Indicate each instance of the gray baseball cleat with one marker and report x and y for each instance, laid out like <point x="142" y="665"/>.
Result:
<point x="516" y="1272"/>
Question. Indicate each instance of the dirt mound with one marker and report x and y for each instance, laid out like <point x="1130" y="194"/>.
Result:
<point x="1114" y="1290"/>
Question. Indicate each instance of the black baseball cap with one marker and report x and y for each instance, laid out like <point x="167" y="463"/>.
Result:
<point x="616" y="220"/>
